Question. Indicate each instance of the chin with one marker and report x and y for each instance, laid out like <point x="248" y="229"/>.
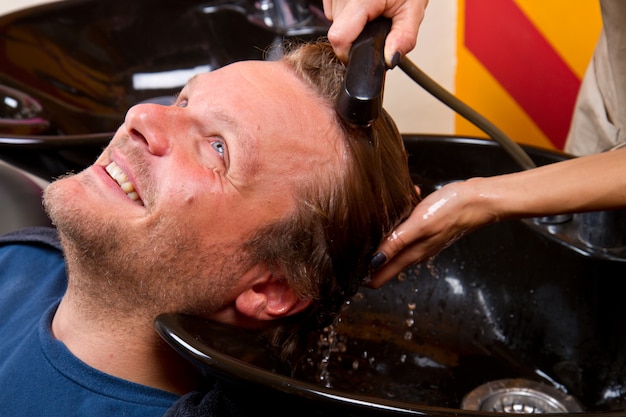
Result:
<point x="70" y="212"/>
<point x="55" y="200"/>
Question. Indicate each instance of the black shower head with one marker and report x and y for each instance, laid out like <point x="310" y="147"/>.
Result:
<point x="361" y="99"/>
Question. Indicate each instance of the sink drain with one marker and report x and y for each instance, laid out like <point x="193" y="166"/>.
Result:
<point x="520" y="396"/>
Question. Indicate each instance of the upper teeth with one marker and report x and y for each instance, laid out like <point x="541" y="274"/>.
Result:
<point x="122" y="179"/>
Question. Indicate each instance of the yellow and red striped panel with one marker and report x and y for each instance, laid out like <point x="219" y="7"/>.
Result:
<point x="520" y="63"/>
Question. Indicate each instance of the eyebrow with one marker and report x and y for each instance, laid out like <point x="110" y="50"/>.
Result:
<point x="188" y="85"/>
<point x="248" y="145"/>
<point x="192" y="81"/>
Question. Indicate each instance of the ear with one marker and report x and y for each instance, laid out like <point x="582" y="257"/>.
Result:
<point x="269" y="297"/>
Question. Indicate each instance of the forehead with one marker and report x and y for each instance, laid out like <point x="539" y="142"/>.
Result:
<point x="253" y="82"/>
<point x="269" y="103"/>
<point x="246" y="90"/>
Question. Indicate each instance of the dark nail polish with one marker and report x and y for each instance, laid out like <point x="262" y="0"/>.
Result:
<point x="378" y="260"/>
<point x="395" y="60"/>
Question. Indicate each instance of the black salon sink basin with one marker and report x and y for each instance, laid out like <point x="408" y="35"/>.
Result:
<point x="87" y="61"/>
<point x="69" y="70"/>
<point x="508" y="304"/>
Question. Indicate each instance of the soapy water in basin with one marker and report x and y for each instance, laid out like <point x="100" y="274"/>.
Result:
<point x="399" y="357"/>
<point x="414" y="353"/>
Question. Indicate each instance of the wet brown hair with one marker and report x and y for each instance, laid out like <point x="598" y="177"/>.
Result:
<point x="323" y="250"/>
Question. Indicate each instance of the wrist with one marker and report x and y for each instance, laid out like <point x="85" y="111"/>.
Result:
<point x="485" y="199"/>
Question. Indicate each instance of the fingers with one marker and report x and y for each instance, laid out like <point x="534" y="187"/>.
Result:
<point x="349" y="19"/>
<point x="414" y="253"/>
<point x="404" y="29"/>
<point x="395" y="265"/>
<point x="350" y="16"/>
<point x="405" y="233"/>
<point x="396" y="253"/>
<point x="434" y="223"/>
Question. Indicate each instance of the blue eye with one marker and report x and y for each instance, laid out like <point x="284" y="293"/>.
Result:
<point x="219" y="147"/>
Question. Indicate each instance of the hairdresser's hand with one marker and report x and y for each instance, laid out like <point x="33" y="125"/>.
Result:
<point x="589" y="183"/>
<point x="437" y="221"/>
<point x="350" y="16"/>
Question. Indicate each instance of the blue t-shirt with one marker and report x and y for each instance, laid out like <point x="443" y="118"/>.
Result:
<point x="38" y="374"/>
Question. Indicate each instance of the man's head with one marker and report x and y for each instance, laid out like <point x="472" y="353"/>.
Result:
<point x="254" y="200"/>
<point x="324" y="249"/>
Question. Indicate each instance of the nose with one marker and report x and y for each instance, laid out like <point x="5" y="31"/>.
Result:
<point x="150" y="123"/>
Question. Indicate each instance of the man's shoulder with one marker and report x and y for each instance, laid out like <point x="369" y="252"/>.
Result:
<point x="31" y="262"/>
<point x="46" y="236"/>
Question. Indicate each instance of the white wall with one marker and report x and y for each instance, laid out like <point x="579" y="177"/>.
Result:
<point x="414" y="110"/>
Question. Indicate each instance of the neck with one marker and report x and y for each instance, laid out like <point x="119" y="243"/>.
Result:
<point x="129" y="349"/>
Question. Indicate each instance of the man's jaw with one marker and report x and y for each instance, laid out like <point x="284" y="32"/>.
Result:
<point x="121" y="178"/>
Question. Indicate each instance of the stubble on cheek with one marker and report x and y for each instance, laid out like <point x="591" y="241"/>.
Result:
<point x="165" y="265"/>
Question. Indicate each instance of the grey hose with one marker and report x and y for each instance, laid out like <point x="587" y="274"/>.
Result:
<point x="513" y="149"/>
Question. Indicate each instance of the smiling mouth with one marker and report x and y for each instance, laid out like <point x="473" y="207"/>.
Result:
<point x="121" y="178"/>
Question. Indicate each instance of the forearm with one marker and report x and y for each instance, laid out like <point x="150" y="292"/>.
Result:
<point x="589" y="183"/>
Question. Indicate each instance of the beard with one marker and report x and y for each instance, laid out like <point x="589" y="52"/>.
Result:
<point x="117" y="270"/>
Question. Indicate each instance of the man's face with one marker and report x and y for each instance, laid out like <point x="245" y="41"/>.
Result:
<point x="208" y="170"/>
